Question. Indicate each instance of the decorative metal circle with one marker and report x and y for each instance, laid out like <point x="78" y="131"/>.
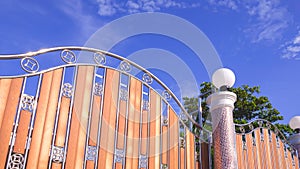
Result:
<point x="268" y="126"/>
<point x="68" y="56"/>
<point x="99" y="58"/>
<point x="251" y="127"/>
<point x="125" y="66"/>
<point x="166" y="95"/>
<point x="242" y="129"/>
<point x="183" y="117"/>
<point x="16" y="161"/>
<point x="147" y="78"/>
<point x="260" y="123"/>
<point x="30" y="65"/>
<point x="67" y="90"/>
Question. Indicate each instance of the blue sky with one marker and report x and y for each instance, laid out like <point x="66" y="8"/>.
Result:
<point x="258" y="39"/>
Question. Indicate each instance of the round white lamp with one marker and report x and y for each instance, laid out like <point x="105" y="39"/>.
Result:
<point x="223" y="78"/>
<point x="295" y="123"/>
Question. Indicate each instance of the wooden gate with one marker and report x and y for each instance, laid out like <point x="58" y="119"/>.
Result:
<point x="260" y="145"/>
<point x="92" y="114"/>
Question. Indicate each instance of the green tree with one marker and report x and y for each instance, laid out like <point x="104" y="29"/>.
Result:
<point x="249" y="106"/>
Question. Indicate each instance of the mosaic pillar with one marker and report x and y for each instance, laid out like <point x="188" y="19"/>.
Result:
<point x="221" y="106"/>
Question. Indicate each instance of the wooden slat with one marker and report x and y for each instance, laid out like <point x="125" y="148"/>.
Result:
<point x="275" y="158"/>
<point x="205" y="155"/>
<point x="250" y="158"/>
<point x="46" y="109"/>
<point x="190" y="147"/>
<point x="135" y="93"/>
<point x="290" y="160"/>
<point x="174" y="135"/>
<point x="182" y="161"/>
<point x="267" y="149"/>
<point x="282" y="156"/>
<point x="144" y="133"/>
<point x="22" y="132"/>
<point x="296" y="162"/>
<point x="95" y="121"/>
<point x="121" y="124"/>
<point x="164" y="135"/>
<point x="154" y="139"/>
<point x="62" y="122"/>
<point x="239" y="151"/>
<point x="77" y="139"/>
<point x="258" y="150"/>
<point x="105" y="158"/>
<point x="4" y="88"/>
<point x="56" y="166"/>
<point x="9" y="116"/>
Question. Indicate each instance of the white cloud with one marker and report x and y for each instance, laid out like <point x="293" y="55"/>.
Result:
<point x="232" y="4"/>
<point x="111" y="7"/>
<point x="291" y="50"/>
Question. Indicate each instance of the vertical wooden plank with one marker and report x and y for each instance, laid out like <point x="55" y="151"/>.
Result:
<point x="267" y="149"/>
<point x="296" y="162"/>
<point x="9" y="116"/>
<point x="4" y="88"/>
<point x="258" y="151"/>
<point x="190" y="147"/>
<point x="282" y="156"/>
<point x="40" y="118"/>
<point x="95" y="120"/>
<point x="290" y="160"/>
<point x="164" y="135"/>
<point x="22" y="132"/>
<point x="205" y="155"/>
<point x="62" y="122"/>
<point x="275" y="158"/>
<point x="174" y="139"/>
<point x="182" y="161"/>
<point x="121" y="124"/>
<point x="239" y="151"/>
<point x="82" y="98"/>
<point x="154" y="139"/>
<point x="144" y="136"/>
<point x="105" y="158"/>
<point x="250" y="157"/>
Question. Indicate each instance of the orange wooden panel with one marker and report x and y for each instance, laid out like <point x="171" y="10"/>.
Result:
<point x="205" y="155"/>
<point x="290" y="160"/>
<point x="4" y="88"/>
<point x="275" y="157"/>
<point x="239" y="151"/>
<point x="267" y="149"/>
<point x="144" y="135"/>
<point x="164" y="158"/>
<point x="77" y="139"/>
<point x="40" y="118"/>
<point x="250" y="158"/>
<point x="56" y="166"/>
<point x="190" y="148"/>
<point x="118" y="166"/>
<point x="9" y="116"/>
<point x="46" y="109"/>
<point x="105" y="159"/>
<point x="22" y="132"/>
<point x="258" y="149"/>
<point x="90" y="164"/>
<point x="174" y="134"/>
<point x="296" y="162"/>
<point x="182" y="161"/>
<point x="62" y="122"/>
<point x="133" y="123"/>
<point x="121" y="124"/>
<point x="154" y="139"/>
<point x="283" y="159"/>
<point x="95" y="121"/>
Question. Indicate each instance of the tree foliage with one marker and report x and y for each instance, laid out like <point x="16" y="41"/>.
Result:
<point x="249" y="106"/>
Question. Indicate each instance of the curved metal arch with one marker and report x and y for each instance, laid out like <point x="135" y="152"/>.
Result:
<point x="71" y="48"/>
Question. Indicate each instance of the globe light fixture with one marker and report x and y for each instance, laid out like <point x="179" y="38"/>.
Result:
<point x="295" y="123"/>
<point x="223" y="78"/>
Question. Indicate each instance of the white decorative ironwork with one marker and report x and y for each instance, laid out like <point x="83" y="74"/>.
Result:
<point x="29" y="64"/>
<point x="182" y="142"/>
<point x="146" y="106"/>
<point x="68" y="56"/>
<point x="166" y="95"/>
<point x="143" y="161"/>
<point x="91" y="153"/>
<point x="183" y="117"/>
<point x="164" y="166"/>
<point x="147" y="78"/>
<point x="165" y="121"/>
<point x="98" y="89"/>
<point x="28" y="102"/>
<point x="57" y="154"/>
<point x="67" y="90"/>
<point x="99" y="58"/>
<point x="119" y="155"/>
<point x="125" y="66"/>
<point x="16" y="161"/>
<point x="123" y="94"/>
